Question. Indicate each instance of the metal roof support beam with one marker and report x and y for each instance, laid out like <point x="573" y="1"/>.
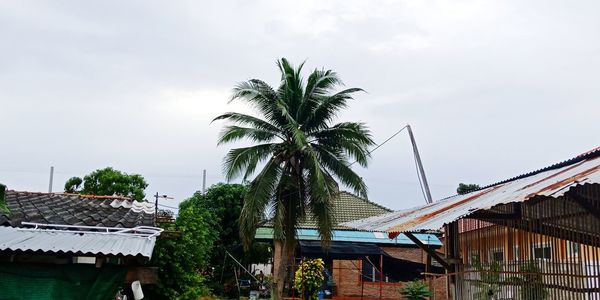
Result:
<point x="536" y="226"/>
<point x="586" y="203"/>
<point x="431" y="252"/>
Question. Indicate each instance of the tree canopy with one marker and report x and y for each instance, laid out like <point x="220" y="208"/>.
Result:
<point x="464" y="188"/>
<point x="183" y="260"/>
<point x="108" y="182"/>
<point x="302" y="155"/>
<point x="225" y="202"/>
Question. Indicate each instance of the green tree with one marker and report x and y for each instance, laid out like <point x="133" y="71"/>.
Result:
<point x="108" y="182"/>
<point x="225" y="202"/>
<point x="301" y="154"/>
<point x="464" y="188"/>
<point x="3" y="207"/>
<point x="182" y="260"/>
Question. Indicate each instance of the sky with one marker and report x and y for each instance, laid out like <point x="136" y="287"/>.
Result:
<point x="492" y="89"/>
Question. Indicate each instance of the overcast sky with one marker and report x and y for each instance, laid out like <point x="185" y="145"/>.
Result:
<point x="492" y="89"/>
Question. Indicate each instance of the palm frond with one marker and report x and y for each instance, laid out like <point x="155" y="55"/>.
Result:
<point x="245" y="160"/>
<point x="244" y="119"/>
<point x="350" y="137"/>
<point x="233" y="133"/>
<point x="260" y="193"/>
<point x="262" y="97"/>
<point x="338" y="164"/>
<point x="321" y="190"/>
<point x="327" y="108"/>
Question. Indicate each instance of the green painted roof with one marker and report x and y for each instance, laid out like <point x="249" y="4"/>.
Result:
<point x="348" y="207"/>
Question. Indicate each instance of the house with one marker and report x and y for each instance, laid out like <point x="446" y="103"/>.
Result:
<point x="533" y="236"/>
<point x="357" y="259"/>
<point x="65" y="246"/>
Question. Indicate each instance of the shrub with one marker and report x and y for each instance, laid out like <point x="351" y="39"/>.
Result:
<point x="416" y="290"/>
<point x="309" y="277"/>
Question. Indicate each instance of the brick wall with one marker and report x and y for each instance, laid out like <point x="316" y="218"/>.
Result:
<point x="346" y="274"/>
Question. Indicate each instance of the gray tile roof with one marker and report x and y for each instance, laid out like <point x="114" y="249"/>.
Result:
<point x="346" y="207"/>
<point x="70" y="209"/>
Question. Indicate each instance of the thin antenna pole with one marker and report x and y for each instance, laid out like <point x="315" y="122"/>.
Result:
<point x="420" y="165"/>
<point x="51" y="179"/>
<point x="203" y="181"/>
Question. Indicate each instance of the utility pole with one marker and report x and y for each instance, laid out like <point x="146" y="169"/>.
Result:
<point x="51" y="179"/>
<point x="203" y="181"/>
<point x="419" y="165"/>
<point x="156" y="196"/>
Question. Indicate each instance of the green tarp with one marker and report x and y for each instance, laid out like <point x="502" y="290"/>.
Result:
<point x="72" y="281"/>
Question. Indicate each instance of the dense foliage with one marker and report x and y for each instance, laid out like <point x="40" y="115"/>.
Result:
<point x="309" y="278"/>
<point x="225" y="202"/>
<point x="302" y="154"/>
<point x="416" y="290"/>
<point x="464" y="188"/>
<point x="183" y="260"/>
<point x="108" y="182"/>
<point x="3" y="207"/>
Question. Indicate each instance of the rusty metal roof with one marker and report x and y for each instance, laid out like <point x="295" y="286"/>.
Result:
<point x="553" y="181"/>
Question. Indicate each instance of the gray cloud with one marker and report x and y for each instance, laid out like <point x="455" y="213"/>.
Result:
<point x="492" y="88"/>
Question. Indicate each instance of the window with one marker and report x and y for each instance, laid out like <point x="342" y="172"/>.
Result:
<point x="572" y="249"/>
<point x="542" y="252"/>
<point x="497" y="255"/>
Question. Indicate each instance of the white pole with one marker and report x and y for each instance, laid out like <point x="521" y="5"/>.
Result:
<point x="51" y="179"/>
<point x="203" y="181"/>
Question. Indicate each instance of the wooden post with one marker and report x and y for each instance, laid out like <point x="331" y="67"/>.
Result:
<point x="362" y="283"/>
<point x="380" y="276"/>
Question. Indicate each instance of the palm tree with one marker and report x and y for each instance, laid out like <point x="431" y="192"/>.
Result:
<point x="301" y="155"/>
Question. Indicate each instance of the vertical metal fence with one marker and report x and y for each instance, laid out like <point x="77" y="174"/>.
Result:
<point x="543" y="248"/>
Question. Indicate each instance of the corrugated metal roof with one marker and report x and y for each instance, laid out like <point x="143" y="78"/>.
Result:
<point x="266" y="233"/>
<point x="553" y="181"/>
<point x="76" y="242"/>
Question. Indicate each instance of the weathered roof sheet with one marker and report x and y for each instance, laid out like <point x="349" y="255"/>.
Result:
<point x="265" y="233"/>
<point x="75" y="242"/>
<point x="553" y="181"/>
<point x="70" y="209"/>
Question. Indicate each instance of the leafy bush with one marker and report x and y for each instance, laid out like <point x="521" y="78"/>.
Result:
<point x="532" y="286"/>
<point x="181" y="260"/>
<point x="309" y="277"/>
<point x="488" y="286"/>
<point x="416" y="290"/>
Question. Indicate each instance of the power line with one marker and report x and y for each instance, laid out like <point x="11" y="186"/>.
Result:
<point x="384" y="142"/>
<point x="167" y="206"/>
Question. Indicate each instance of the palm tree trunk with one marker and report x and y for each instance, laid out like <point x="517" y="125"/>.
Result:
<point x="286" y="255"/>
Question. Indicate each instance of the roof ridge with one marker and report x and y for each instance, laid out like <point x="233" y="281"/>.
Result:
<point x="593" y="153"/>
<point x="366" y="200"/>
<point x="92" y="196"/>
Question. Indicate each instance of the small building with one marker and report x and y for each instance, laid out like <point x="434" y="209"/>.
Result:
<point x="363" y="264"/>
<point x="533" y="236"/>
<point x="65" y="246"/>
